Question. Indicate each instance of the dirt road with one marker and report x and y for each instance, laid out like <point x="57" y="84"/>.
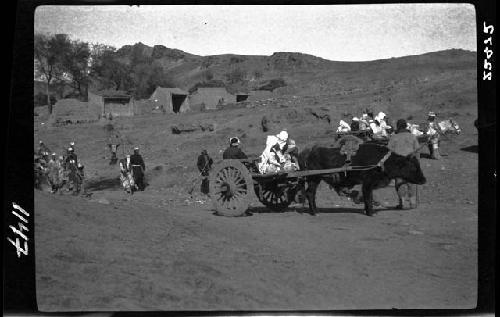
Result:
<point x="119" y="252"/>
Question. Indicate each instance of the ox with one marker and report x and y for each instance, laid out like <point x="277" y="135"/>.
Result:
<point x="381" y="167"/>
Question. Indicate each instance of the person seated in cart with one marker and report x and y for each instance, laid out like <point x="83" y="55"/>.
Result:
<point x="343" y="127"/>
<point x="293" y="151"/>
<point x="234" y="151"/>
<point x="364" y="122"/>
<point x="355" y="124"/>
<point x="279" y="155"/>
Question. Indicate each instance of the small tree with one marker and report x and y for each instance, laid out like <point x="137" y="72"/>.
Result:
<point x="49" y="52"/>
<point x="104" y="65"/>
<point x="76" y="65"/>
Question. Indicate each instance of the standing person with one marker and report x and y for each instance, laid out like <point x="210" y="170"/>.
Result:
<point x="138" y="167"/>
<point x="125" y="177"/>
<point x="404" y="143"/>
<point x="43" y="150"/>
<point x="71" y="158"/>
<point x="204" y="165"/>
<point x="71" y="165"/>
<point x="114" y="142"/>
<point x="80" y="176"/>
<point x="433" y="131"/>
<point x="71" y="148"/>
<point x="234" y="151"/>
<point x="54" y="167"/>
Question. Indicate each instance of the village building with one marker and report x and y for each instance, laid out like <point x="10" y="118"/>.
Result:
<point x="170" y="100"/>
<point x="112" y="103"/>
<point x="241" y="96"/>
<point x="255" y="95"/>
<point x="210" y="97"/>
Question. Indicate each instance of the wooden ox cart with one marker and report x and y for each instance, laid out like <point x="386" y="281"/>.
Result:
<point x="235" y="183"/>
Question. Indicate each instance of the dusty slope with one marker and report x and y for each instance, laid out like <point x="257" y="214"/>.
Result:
<point x="161" y="249"/>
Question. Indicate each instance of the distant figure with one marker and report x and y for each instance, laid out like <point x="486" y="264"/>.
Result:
<point x="355" y="124"/>
<point x="293" y="151"/>
<point x="114" y="142"/>
<point x="343" y="127"/>
<point x="404" y="143"/>
<point x="363" y="122"/>
<point x="54" y="173"/>
<point x="126" y="178"/>
<point x="234" y="151"/>
<point x="382" y="119"/>
<point x="43" y="150"/>
<point x="80" y="184"/>
<point x="204" y="166"/>
<point x="71" y="158"/>
<point x="264" y="123"/>
<point x="71" y="166"/>
<point x="138" y="168"/>
<point x="433" y="132"/>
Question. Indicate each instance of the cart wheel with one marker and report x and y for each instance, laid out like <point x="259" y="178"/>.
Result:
<point x="274" y="197"/>
<point x="231" y="188"/>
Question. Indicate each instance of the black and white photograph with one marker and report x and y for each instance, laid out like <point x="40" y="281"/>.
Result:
<point x="254" y="157"/>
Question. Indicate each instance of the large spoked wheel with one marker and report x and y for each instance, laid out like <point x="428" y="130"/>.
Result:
<point x="275" y="197"/>
<point x="231" y="188"/>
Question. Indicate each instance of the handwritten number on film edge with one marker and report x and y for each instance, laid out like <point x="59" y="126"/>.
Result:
<point x="19" y="231"/>
<point x="488" y="29"/>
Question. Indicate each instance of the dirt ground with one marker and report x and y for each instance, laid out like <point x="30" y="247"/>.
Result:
<point x="162" y="249"/>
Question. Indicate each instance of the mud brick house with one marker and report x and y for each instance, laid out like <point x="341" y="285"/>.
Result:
<point x="111" y="102"/>
<point x="211" y="97"/>
<point x="170" y="100"/>
<point x="241" y="96"/>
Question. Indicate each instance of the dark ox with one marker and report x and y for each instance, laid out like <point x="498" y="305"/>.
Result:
<point x="394" y="166"/>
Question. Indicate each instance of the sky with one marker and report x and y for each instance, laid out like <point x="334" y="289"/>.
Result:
<point x="334" y="32"/>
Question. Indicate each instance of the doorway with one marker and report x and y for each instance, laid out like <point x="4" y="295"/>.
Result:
<point x="240" y="98"/>
<point x="177" y="101"/>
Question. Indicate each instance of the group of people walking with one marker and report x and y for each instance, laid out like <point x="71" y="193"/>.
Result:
<point x="280" y="155"/>
<point x="132" y="170"/>
<point x="380" y="129"/>
<point x="377" y="125"/>
<point x="59" y="171"/>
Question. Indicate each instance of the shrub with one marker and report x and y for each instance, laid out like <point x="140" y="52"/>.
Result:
<point x="236" y="75"/>
<point x="207" y="84"/>
<point x="273" y="84"/>
<point x="40" y="99"/>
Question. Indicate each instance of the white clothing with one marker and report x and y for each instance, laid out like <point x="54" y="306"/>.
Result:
<point x="414" y="129"/>
<point x="270" y="161"/>
<point x="343" y="126"/>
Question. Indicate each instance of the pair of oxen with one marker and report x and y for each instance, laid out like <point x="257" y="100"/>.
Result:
<point x="374" y="166"/>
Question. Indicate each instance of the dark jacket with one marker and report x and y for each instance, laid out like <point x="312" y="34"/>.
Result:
<point x="43" y="148"/>
<point x="70" y="160"/>
<point x="204" y="164"/>
<point x="136" y="159"/>
<point x="233" y="152"/>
